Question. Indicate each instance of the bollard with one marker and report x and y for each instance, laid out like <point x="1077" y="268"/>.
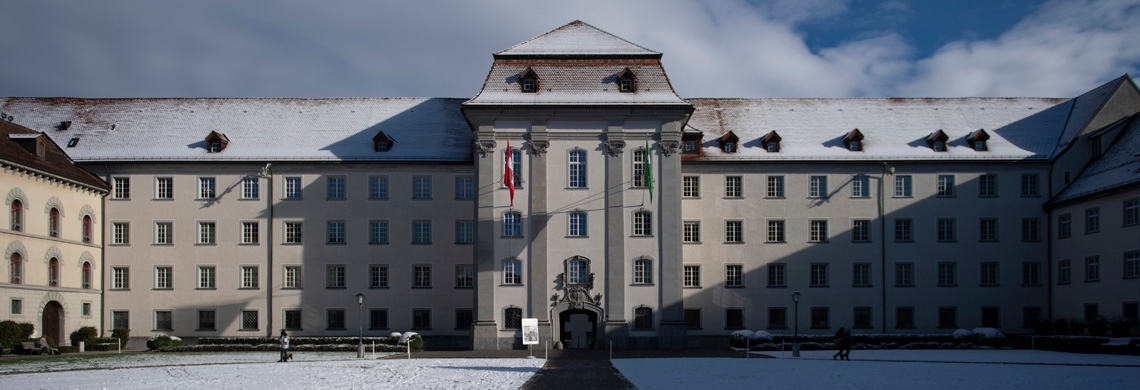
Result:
<point x="373" y="349"/>
<point x="747" y="347"/>
<point x="611" y="350"/>
<point x="120" y="345"/>
<point x="547" y="349"/>
<point x="409" y="348"/>
<point x="82" y="346"/>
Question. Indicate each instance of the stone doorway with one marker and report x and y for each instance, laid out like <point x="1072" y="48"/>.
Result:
<point x="53" y="322"/>
<point x="579" y="328"/>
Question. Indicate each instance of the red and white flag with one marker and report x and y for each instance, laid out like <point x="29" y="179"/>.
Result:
<point x="509" y="172"/>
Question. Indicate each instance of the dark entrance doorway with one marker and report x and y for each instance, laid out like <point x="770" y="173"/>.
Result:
<point x="53" y="322"/>
<point x="579" y="328"/>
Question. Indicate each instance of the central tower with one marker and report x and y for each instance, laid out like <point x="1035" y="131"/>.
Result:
<point x="583" y="231"/>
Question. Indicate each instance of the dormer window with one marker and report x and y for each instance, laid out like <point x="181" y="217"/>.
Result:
<point x="64" y="125"/>
<point x="728" y="142"/>
<point x="977" y="140"/>
<point x="771" y="142"/>
<point x="382" y="142"/>
<point x="627" y="81"/>
<point x="690" y="146"/>
<point x="72" y="142"/>
<point x="937" y="141"/>
<point x="216" y="142"/>
<point x="1095" y="146"/>
<point x="41" y="149"/>
<point x="854" y="141"/>
<point x="528" y="81"/>
<point x="691" y="142"/>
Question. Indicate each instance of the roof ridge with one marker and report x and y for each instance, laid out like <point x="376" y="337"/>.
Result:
<point x="575" y="23"/>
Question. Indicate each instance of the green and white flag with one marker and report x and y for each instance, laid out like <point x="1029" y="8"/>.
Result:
<point x="649" y="170"/>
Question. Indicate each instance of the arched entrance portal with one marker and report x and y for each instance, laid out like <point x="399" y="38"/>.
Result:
<point x="579" y="328"/>
<point x="53" y="322"/>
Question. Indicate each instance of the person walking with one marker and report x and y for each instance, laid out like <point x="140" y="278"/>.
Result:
<point x="839" y="343"/>
<point x="284" y="341"/>
<point x="845" y="341"/>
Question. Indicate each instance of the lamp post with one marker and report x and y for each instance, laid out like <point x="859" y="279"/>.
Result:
<point x="796" y="335"/>
<point x="360" y="315"/>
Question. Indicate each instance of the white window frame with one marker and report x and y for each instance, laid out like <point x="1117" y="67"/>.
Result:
<point x="378" y="187"/>
<point x="163" y="277"/>
<point x="164" y="187"/>
<point x="163" y="233"/>
<point x="207" y="277"/>
<point x="207" y="187"/>
<point x="207" y="232"/>
<point x="250" y="187"/>
<point x="643" y="223"/>
<point x="122" y="188"/>
<point x="577" y="225"/>
<point x="293" y="188"/>
<point x="335" y="187"/>
<point x="335" y="232"/>
<point x="293" y="232"/>
<point x="421" y="187"/>
<point x="817" y="186"/>
<point x="250" y="278"/>
<point x="250" y="232"/>
<point x="576" y="168"/>
<point x="904" y="186"/>
<point x="292" y="277"/>
<point x="734" y="186"/>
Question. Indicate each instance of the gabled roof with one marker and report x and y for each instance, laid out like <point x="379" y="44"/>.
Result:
<point x="1119" y="166"/>
<point x="576" y="38"/>
<point x="1086" y="106"/>
<point x="55" y="161"/>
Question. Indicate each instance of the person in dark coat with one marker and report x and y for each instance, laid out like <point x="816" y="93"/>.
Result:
<point x="839" y="343"/>
<point x="284" y="340"/>
<point x="845" y="341"/>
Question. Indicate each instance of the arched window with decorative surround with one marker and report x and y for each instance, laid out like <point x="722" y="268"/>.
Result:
<point x="53" y="222"/>
<point x="577" y="271"/>
<point x="86" y="229"/>
<point x="86" y="275"/>
<point x="14" y="268"/>
<point x="17" y="219"/>
<point x="53" y="272"/>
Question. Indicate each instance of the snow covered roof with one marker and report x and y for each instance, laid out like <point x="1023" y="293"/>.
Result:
<point x="577" y="82"/>
<point x="429" y="129"/>
<point x="894" y="128"/>
<point x="1119" y="165"/>
<point x="1084" y="108"/>
<point x="576" y="38"/>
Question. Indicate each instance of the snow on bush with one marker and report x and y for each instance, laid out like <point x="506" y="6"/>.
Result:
<point x="989" y="333"/>
<point x="963" y="334"/>
<point x="405" y="337"/>
<point x="762" y="335"/>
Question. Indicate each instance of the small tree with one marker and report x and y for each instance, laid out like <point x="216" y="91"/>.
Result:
<point x="1120" y="327"/>
<point x="123" y="334"/>
<point x="86" y="334"/>
<point x="1099" y="326"/>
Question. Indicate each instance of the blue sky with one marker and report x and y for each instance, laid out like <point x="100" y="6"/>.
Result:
<point x="436" y="48"/>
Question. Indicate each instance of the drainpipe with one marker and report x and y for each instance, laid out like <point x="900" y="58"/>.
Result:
<point x="268" y="251"/>
<point x="883" y="241"/>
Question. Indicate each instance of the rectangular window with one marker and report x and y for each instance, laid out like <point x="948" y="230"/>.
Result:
<point x="692" y="232"/>
<point x="777" y="318"/>
<point x="1131" y="312"/>
<point x="293" y="189"/>
<point x="777" y="275"/>
<point x="820" y="318"/>
<point x="642" y="271"/>
<point x="1030" y="316"/>
<point x="904" y="318"/>
<point x="120" y="278"/>
<point x="207" y="188"/>
<point x="336" y="276"/>
<point x="464" y="276"/>
<point x="122" y="188"/>
<point x="817" y="231"/>
<point x="207" y="277"/>
<point x="947" y="274"/>
<point x="207" y="233"/>
<point x="734" y="232"/>
<point x="733" y="186"/>
<point x="292" y="232"/>
<point x="693" y="319"/>
<point x="377" y="232"/>
<point x="734" y="318"/>
<point x="1029" y="186"/>
<point x="904" y="230"/>
<point x="421" y="319"/>
<point x="250" y="187"/>
<point x="946" y="230"/>
<point x="464" y="319"/>
<point x="1030" y="229"/>
<point x="249" y="320"/>
<point x="577" y="224"/>
<point x="334" y="319"/>
<point x="377" y="318"/>
<point x="734" y="275"/>
<point x="991" y="317"/>
<point x="464" y="232"/>
<point x="819" y="275"/>
<point x="207" y="320"/>
<point x="250" y="232"/>
<point x="1131" y="264"/>
<point x="1030" y="274"/>
<point x="989" y="276"/>
<point x="1092" y="220"/>
<point x="861" y="318"/>
<point x="378" y="187"/>
<point x="1092" y="269"/>
<point x="85" y="309"/>
<point x="861" y="274"/>
<point x="421" y="232"/>
<point x="293" y="319"/>
<point x="163" y="233"/>
<point x="1092" y="312"/>
<point x="120" y="319"/>
<point x="692" y="276"/>
<point x="421" y="276"/>
<point x="292" y="276"/>
<point x="512" y="224"/>
<point x="512" y="272"/>
<point x="249" y="279"/>
<point x="464" y="187"/>
<point x="987" y="185"/>
<point x="121" y="233"/>
<point x="945" y="185"/>
<point x="775" y="231"/>
<point x="335" y="232"/>
<point x="947" y="317"/>
<point x="17" y="306"/>
<point x="691" y="186"/>
<point x="378" y="276"/>
<point x="1064" y="271"/>
<point x="1131" y="211"/>
<point x="1064" y="226"/>
<point x="861" y="230"/>
<point x="817" y="187"/>
<point x="421" y="187"/>
<point x="904" y="274"/>
<point x="163" y="278"/>
<point x="164" y="320"/>
<point x="642" y="318"/>
<point x="860" y="186"/>
<point x="775" y="186"/>
<point x="988" y="230"/>
<point x="164" y="188"/>
<point x="335" y="187"/>
<point x="903" y="186"/>
<point x="577" y="168"/>
<point x="642" y="223"/>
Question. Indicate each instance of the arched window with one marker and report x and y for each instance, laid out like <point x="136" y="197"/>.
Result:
<point x="53" y="222"/>
<point x="14" y="269"/>
<point x="512" y="224"/>
<point x="53" y="272"/>
<point x="87" y="229"/>
<point x="577" y="271"/>
<point x="17" y="216"/>
<point x="643" y="271"/>
<point x="577" y="168"/>
<point x="512" y="318"/>
<point x="643" y="223"/>
<point x="642" y="318"/>
<point x="86" y="275"/>
<point x="512" y="271"/>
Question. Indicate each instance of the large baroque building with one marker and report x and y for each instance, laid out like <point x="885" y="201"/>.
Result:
<point x="629" y="214"/>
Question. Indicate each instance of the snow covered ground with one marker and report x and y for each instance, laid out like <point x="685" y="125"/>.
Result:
<point x="883" y="369"/>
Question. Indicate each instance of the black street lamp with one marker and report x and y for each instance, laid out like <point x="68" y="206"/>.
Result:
<point x="796" y="337"/>
<point x="360" y="315"/>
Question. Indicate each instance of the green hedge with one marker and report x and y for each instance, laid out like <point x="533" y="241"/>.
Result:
<point x="12" y="333"/>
